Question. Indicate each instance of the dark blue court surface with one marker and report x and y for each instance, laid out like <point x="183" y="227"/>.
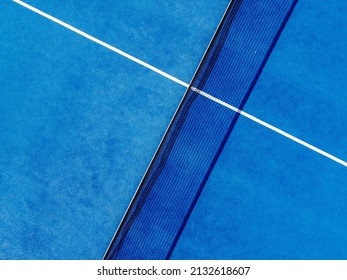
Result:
<point x="80" y="125"/>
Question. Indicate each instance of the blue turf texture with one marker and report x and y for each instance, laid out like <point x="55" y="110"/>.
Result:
<point x="79" y="124"/>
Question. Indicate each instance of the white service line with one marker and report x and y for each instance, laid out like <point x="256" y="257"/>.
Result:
<point x="174" y="79"/>
<point x="269" y="126"/>
<point x="80" y="32"/>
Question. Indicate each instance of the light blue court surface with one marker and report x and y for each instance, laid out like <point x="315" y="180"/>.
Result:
<point x="80" y="124"/>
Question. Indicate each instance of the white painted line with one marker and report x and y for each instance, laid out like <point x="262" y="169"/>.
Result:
<point x="68" y="26"/>
<point x="269" y="126"/>
<point x="168" y="76"/>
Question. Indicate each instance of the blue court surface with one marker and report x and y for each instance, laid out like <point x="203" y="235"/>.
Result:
<point x="80" y="124"/>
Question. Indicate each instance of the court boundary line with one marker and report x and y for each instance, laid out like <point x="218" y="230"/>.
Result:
<point x="184" y="84"/>
<point x="271" y="127"/>
<point x="100" y="42"/>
